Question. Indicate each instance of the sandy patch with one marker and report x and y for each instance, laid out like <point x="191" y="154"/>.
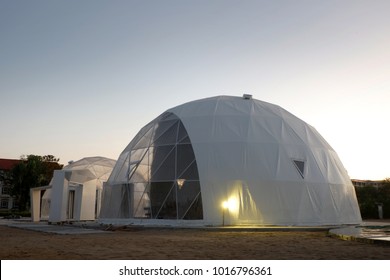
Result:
<point x="183" y="244"/>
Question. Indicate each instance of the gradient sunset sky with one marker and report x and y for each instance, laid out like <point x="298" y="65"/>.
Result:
<point x="81" y="78"/>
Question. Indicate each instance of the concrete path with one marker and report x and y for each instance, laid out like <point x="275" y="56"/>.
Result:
<point x="45" y="227"/>
<point x="369" y="232"/>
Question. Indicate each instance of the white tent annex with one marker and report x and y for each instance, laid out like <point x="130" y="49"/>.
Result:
<point x="74" y="194"/>
<point x="229" y="161"/>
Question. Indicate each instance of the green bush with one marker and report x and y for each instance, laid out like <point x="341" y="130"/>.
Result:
<point x="369" y="198"/>
<point x="12" y="213"/>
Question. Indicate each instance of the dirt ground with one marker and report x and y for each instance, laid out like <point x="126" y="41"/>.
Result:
<point x="172" y="244"/>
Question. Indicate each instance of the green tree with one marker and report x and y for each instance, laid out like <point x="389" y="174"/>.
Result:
<point x="370" y="197"/>
<point x="33" y="171"/>
<point x="384" y="197"/>
<point x="367" y="199"/>
<point x="50" y="163"/>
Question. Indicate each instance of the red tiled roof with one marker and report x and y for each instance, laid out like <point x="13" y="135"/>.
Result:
<point x="8" y="164"/>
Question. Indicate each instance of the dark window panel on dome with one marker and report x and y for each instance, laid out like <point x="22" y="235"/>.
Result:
<point x="166" y="169"/>
<point x="168" y="209"/>
<point x="185" y="140"/>
<point x="191" y="173"/>
<point x="163" y="200"/>
<point x="182" y="133"/>
<point x="195" y="211"/>
<point x="300" y="166"/>
<point x="185" y="157"/>
<point x="187" y="192"/>
<point x="169" y="137"/>
<point x="161" y="128"/>
<point x="157" y="156"/>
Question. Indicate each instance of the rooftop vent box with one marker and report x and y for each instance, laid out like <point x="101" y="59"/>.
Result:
<point x="247" y="96"/>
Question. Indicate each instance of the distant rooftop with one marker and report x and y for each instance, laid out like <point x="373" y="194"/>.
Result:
<point x="8" y="164"/>
<point x="367" y="183"/>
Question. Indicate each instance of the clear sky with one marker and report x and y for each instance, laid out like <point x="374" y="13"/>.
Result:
<point x="80" y="78"/>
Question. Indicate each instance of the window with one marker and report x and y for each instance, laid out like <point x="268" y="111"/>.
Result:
<point x="5" y="190"/>
<point x="4" y="204"/>
<point x="300" y="166"/>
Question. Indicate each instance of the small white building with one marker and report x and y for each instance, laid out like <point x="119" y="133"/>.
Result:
<point x="74" y="193"/>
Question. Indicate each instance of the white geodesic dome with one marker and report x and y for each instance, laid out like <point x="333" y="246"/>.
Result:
<point x="98" y="168"/>
<point x="230" y="160"/>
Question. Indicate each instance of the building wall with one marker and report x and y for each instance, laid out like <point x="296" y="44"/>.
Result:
<point x="366" y="183"/>
<point x="6" y="199"/>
